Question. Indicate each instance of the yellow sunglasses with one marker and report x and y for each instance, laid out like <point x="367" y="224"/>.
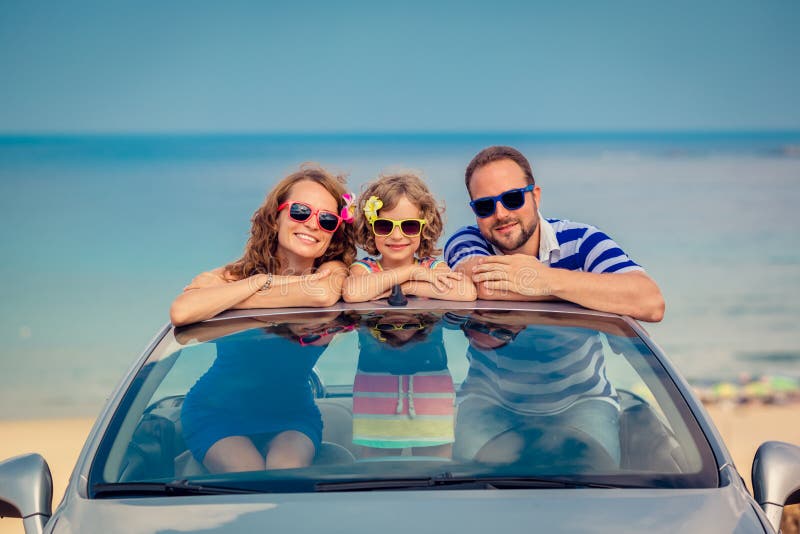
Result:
<point x="408" y="227"/>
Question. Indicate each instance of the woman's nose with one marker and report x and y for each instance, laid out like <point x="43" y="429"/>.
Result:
<point x="312" y="221"/>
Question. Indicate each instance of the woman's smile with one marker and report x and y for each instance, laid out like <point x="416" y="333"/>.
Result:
<point x="306" y="238"/>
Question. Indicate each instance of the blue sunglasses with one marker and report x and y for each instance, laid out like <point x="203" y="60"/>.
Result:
<point x="513" y="199"/>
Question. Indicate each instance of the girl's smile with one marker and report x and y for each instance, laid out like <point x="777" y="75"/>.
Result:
<point x="397" y="249"/>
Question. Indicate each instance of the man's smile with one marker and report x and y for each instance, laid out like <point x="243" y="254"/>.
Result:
<point x="506" y="227"/>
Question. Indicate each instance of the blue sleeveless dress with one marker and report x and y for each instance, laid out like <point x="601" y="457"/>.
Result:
<point x="257" y="387"/>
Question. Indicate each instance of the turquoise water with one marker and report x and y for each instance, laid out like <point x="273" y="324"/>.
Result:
<point x="100" y="233"/>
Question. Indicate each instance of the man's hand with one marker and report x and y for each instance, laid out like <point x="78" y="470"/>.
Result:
<point x="515" y="273"/>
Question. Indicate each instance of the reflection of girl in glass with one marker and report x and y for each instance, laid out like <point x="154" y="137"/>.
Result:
<point x="403" y="396"/>
<point x="254" y="408"/>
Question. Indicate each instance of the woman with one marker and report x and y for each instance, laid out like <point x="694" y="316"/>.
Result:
<point x="300" y="245"/>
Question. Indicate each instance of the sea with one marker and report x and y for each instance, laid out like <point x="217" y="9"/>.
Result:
<point x="99" y="234"/>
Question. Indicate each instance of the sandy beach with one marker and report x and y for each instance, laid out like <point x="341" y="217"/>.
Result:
<point x="58" y="440"/>
<point x="743" y="427"/>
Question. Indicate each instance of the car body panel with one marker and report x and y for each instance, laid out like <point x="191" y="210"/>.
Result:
<point x="464" y="511"/>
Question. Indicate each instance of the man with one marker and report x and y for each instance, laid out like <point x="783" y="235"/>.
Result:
<point x="513" y="253"/>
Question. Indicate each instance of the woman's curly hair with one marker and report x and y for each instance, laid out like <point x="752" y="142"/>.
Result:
<point x="260" y="251"/>
<point x="389" y="188"/>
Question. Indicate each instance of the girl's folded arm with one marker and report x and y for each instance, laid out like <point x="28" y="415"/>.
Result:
<point x="443" y="284"/>
<point x="363" y="285"/>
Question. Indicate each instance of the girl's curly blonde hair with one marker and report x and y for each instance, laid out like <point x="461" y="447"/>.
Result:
<point x="390" y="188"/>
<point x="260" y="252"/>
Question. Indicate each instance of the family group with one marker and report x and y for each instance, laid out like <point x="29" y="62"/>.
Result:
<point x="302" y="252"/>
<point x="302" y="248"/>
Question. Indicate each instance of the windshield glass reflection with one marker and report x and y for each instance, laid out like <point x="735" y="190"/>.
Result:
<point x="254" y="408"/>
<point x="536" y="394"/>
<point x="403" y="394"/>
<point x="330" y="396"/>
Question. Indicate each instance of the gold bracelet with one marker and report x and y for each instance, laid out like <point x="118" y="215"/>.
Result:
<point x="267" y="284"/>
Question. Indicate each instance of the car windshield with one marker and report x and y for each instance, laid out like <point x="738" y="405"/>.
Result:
<point x="398" y="398"/>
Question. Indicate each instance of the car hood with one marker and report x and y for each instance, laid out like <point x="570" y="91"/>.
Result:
<point x="403" y="512"/>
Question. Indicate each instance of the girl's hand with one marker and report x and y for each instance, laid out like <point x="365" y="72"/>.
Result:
<point x="440" y="279"/>
<point x="385" y="294"/>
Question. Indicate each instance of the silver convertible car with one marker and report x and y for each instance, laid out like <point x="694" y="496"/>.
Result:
<point x="429" y="417"/>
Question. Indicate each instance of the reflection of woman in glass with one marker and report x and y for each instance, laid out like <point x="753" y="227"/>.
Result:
<point x="254" y="408"/>
<point x="403" y="396"/>
<point x="549" y="375"/>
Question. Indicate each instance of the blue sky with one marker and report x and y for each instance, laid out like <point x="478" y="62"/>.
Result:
<point x="155" y="66"/>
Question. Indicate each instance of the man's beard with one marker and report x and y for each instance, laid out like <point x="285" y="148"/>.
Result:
<point x="524" y="235"/>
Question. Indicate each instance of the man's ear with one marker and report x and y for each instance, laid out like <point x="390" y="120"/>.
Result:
<point x="537" y="195"/>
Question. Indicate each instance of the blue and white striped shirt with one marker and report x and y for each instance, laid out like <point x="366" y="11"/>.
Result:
<point x="543" y="372"/>
<point x="562" y="244"/>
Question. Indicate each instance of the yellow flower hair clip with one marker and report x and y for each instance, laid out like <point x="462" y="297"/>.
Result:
<point x="371" y="207"/>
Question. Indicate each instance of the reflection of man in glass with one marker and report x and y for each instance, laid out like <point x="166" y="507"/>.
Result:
<point x="254" y="408"/>
<point x="532" y="387"/>
<point x="403" y="393"/>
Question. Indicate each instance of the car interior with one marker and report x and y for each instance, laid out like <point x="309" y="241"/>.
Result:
<point x="157" y="448"/>
<point x="149" y="443"/>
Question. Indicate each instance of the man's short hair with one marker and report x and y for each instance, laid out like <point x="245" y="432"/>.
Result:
<point x="497" y="153"/>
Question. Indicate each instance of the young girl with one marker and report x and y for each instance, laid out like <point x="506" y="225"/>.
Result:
<point x="297" y="255"/>
<point x="399" y="221"/>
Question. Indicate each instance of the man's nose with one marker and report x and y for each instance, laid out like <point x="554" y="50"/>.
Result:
<point x="500" y="211"/>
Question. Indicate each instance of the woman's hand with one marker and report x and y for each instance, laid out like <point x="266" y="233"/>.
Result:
<point x="315" y="277"/>
<point x="319" y="289"/>
<point x="210" y="293"/>
<point x="206" y="279"/>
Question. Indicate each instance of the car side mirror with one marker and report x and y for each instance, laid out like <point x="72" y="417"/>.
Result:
<point x="26" y="491"/>
<point x="776" y="478"/>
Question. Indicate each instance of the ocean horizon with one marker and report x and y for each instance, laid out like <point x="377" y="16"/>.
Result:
<point x="101" y="232"/>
